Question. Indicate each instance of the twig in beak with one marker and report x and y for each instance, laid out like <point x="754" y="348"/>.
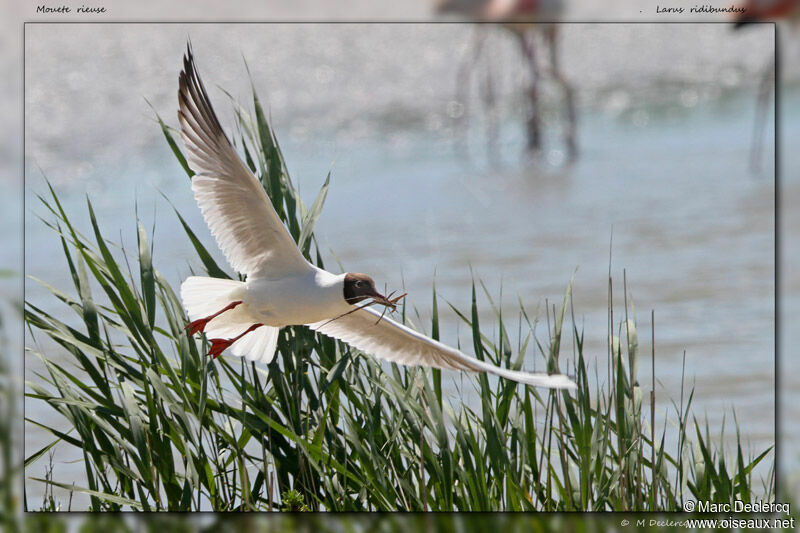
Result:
<point x="386" y="302"/>
<point x="390" y="303"/>
<point x="394" y="302"/>
<point x="382" y="313"/>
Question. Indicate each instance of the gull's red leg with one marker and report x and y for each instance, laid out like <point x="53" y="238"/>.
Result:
<point x="196" y="326"/>
<point x="220" y="345"/>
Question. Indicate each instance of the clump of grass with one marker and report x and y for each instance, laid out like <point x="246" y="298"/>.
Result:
<point x="9" y="459"/>
<point x="160" y="426"/>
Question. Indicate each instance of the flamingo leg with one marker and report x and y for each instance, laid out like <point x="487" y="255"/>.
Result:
<point x="489" y="99"/>
<point x="569" y="96"/>
<point x="533" y="126"/>
<point x="762" y="108"/>
<point x="463" y="80"/>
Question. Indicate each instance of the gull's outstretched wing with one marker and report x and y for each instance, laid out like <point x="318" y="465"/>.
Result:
<point x="395" y="342"/>
<point x="233" y="203"/>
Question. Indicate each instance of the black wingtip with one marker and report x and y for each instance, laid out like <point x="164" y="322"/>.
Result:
<point x="193" y="99"/>
<point x="188" y="73"/>
<point x="189" y="69"/>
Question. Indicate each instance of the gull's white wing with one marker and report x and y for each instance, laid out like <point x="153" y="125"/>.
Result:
<point x="233" y="203"/>
<point x="395" y="342"/>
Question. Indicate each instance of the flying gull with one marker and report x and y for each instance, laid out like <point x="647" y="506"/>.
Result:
<point x="281" y="287"/>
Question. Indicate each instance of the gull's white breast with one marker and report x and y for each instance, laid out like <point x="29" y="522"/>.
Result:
<point x="311" y="296"/>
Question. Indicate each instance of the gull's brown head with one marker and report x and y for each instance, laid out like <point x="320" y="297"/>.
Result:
<point x="359" y="287"/>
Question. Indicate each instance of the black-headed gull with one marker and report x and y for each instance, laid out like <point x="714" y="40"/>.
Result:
<point x="281" y="287"/>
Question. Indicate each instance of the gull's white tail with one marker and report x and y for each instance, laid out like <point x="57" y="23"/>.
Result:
<point x="205" y="296"/>
<point x="202" y="297"/>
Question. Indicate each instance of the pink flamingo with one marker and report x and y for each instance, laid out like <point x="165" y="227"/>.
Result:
<point x="525" y="19"/>
<point x="770" y="11"/>
<point x="786" y="13"/>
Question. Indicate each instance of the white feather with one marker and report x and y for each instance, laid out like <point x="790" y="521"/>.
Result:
<point x="203" y="296"/>
<point x="235" y="207"/>
<point x="258" y="345"/>
<point x="392" y="341"/>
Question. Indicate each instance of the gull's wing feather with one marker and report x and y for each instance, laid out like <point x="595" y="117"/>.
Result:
<point x="233" y="203"/>
<point x="395" y="342"/>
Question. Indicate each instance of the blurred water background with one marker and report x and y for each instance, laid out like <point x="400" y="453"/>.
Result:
<point x="665" y="128"/>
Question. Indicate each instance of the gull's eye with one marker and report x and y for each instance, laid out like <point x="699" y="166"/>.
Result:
<point x="359" y="284"/>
